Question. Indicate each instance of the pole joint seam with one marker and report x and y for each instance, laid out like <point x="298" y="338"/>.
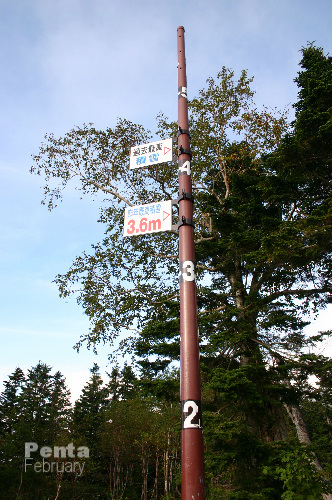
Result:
<point x="185" y="151"/>
<point x="186" y="196"/>
<point x="186" y="222"/>
<point x="183" y="131"/>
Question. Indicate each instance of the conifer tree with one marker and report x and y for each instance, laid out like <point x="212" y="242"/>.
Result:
<point x="9" y="411"/>
<point x="89" y="409"/>
<point x="34" y="408"/>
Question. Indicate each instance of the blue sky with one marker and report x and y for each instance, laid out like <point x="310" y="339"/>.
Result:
<point x="71" y="62"/>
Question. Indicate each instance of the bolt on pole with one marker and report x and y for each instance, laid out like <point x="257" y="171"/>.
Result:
<point x="192" y="451"/>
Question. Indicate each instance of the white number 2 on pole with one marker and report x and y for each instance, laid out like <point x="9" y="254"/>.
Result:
<point x="188" y="421"/>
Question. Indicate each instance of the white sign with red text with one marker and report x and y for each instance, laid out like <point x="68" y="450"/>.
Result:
<point x="151" y="154"/>
<point x="149" y="218"/>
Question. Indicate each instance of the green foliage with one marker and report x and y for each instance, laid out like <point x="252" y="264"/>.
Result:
<point x="293" y="467"/>
<point x="89" y="414"/>
<point x="141" y="440"/>
<point x="34" y="408"/>
<point x="263" y="239"/>
<point x="136" y="441"/>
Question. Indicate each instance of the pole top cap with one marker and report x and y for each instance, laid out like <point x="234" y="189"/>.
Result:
<point x="180" y="28"/>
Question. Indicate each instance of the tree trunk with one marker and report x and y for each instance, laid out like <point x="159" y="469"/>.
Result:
<point x="145" y="470"/>
<point x="167" y="468"/>
<point x="21" y="481"/>
<point x="59" y="480"/>
<point x="246" y="319"/>
<point x="296" y="416"/>
<point x="301" y="429"/>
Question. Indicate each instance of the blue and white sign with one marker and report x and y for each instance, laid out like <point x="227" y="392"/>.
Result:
<point x="151" y="154"/>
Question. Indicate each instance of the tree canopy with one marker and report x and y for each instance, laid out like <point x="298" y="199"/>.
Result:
<point x="263" y="242"/>
<point x="263" y="231"/>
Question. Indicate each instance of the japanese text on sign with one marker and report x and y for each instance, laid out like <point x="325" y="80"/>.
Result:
<point x="144" y="210"/>
<point x="151" y="154"/>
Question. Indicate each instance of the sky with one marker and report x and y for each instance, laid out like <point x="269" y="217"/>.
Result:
<point x="70" y="62"/>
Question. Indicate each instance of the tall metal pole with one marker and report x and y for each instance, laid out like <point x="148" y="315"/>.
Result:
<point x="192" y="453"/>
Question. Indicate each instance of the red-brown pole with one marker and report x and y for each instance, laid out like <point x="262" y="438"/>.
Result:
<point x="192" y="453"/>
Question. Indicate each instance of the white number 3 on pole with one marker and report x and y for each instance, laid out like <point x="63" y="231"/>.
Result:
<point x="187" y="271"/>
